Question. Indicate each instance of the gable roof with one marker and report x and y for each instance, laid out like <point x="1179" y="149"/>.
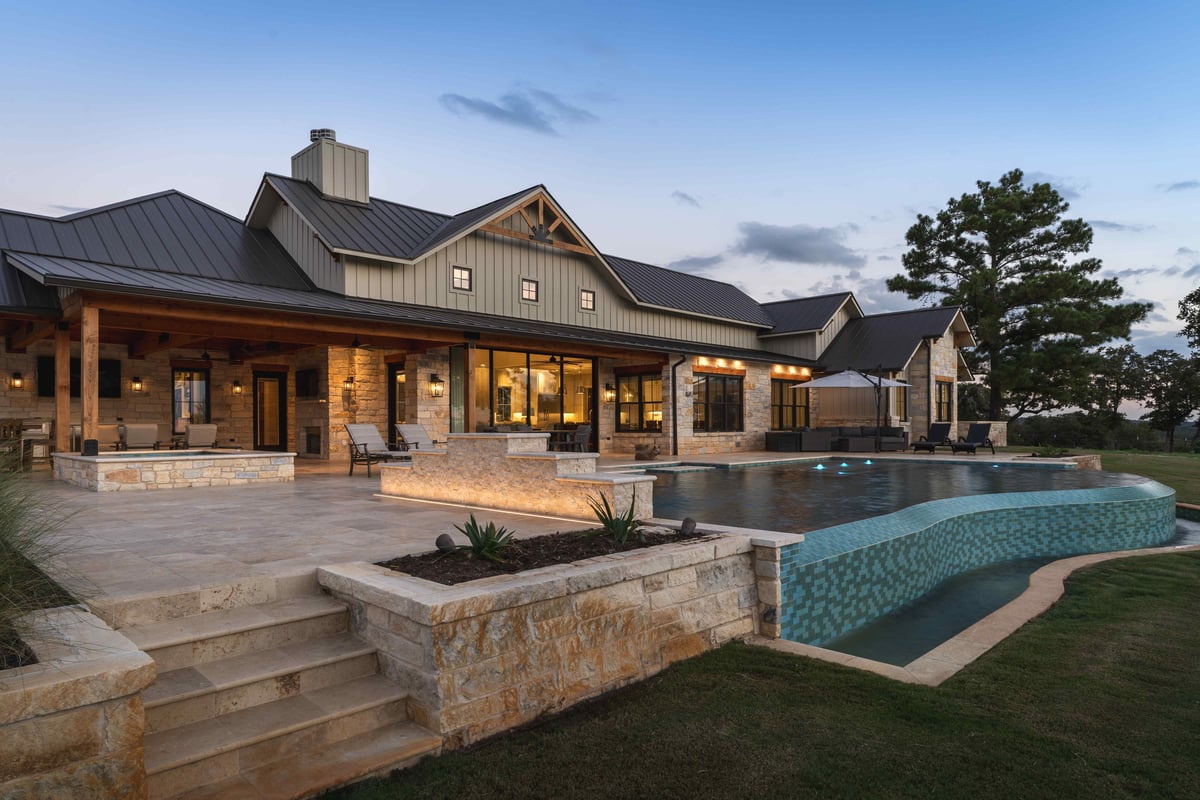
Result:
<point x="166" y="232"/>
<point x="888" y="340"/>
<point x="806" y="314"/>
<point x="666" y="288"/>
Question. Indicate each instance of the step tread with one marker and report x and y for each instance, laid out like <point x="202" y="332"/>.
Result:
<point x="227" y="673"/>
<point x="320" y="769"/>
<point x="230" y="621"/>
<point x="178" y="746"/>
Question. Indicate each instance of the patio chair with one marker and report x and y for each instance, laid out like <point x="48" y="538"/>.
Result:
<point x="368" y="447"/>
<point x="201" y="435"/>
<point x="939" y="434"/>
<point x="415" y="436"/>
<point x="581" y="439"/>
<point x="109" y="436"/>
<point x="977" y="436"/>
<point x="141" y="436"/>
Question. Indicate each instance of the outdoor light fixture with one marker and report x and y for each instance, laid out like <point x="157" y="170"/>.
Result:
<point x="236" y="387"/>
<point x="437" y="386"/>
<point x="348" y="384"/>
<point x="135" y="384"/>
<point x="17" y="381"/>
<point x="610" y="393"/>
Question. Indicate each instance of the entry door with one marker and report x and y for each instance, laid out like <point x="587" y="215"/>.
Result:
<point x="270" y="411"/>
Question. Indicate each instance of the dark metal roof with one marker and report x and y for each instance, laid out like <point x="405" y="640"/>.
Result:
<point x="79" y="274"/>
<point x="464" y="222"/>
<point x="805" y="313"/>
<point x="667" y="288"/>
<point x="22" y="294"/>
<point x="167" y="232"/>
<point x="885" y="339"/>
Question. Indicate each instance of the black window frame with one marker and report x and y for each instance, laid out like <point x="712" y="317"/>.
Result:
<point x="537" y="290"/>
<point x="943" y="406"/>
<point x="778" y="406"/>
<point x="711" y="415"/>
<point x="207" y="402"/>
<point x="587" y="299"/>
<point x="455" y="271"/>
<point x="639" y="406"/>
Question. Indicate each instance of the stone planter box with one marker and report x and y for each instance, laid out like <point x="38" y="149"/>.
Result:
<point x="173" y="469"/>
<point x="72" y="724"/>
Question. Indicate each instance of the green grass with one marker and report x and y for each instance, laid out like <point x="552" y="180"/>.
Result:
<point x="1098" y="698"/>
<point x="1180" y="471"/>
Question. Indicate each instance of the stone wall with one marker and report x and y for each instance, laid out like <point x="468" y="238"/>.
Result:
<point x="485" y="656"/>
<point x="71" y="725"/>
<point x="998" y="432"/>
<point x="127" y="472"/>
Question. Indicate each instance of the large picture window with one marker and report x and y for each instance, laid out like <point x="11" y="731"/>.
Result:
<point x="639" y="403"/>
<point x="190" y="397"/>
<point x="943" y="400"/>
<point x="717" y="403"/>
<point x="789" y="407"/>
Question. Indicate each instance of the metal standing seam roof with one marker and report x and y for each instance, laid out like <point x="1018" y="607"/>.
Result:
<point x="71" y="273"/>
<point x="668" y="288"/>
<point x="804" y="314"/>
<point x="887" y="340"/>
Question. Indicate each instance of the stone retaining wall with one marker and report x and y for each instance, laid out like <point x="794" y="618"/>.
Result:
<point x="124" y="472"/>
<point x="485" y="656"/>
<point x="72" y="724"/>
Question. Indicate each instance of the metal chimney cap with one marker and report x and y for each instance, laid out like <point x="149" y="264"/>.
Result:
<point x="317" y="134"/>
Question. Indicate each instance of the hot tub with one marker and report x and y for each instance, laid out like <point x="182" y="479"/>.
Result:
<point x="173" y="469"/>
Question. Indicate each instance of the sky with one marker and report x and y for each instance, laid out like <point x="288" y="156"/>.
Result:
<point x="785" y="148"/>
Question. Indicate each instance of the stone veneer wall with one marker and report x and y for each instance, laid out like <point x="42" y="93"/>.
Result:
<point x="71" y="725"/>
<point x="998" y="433"/>
<point x="179" y="470"/>
<point x="844" y="576"/>
<point x="482" y="657"/>
<point x="921" y="394"/>
<point x="513" y="471"/>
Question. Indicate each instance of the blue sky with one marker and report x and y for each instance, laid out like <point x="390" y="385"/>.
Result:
<point x="783" y="147"/>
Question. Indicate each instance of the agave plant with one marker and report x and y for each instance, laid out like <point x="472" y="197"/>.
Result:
<point x="486" y="541"/>
<point x="619" y="526"/>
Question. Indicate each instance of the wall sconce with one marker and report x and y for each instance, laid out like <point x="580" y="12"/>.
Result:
<point x="437" y="386"/>
<point x="17" y="381"/>
<point x="236" y="387"/>
<point x="610" y="393"/>
<point x="348" y="384"/>
<point x="135" y="384"/>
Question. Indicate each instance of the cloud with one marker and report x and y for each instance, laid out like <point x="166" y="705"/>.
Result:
<point x="695" y="264"/>
<point x="1186" y="251"/>
<point x="529" y="108"/>
<point x="1179" y="186"/>
<point x="885" y="258"/>
<point x="871" y="293"/>
<point x="685" y="199"/>
<point x="1147" y="341"/>
<point x="1135" y="272"/>
<point x="1193" y="271"/>
<point x="1107" y="225"/>
<point x="1069" y="188"/>
<point x="798" y="244"/>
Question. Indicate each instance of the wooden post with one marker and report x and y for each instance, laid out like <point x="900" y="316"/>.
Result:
<point x="89" y="374"/>
<point x="62" y="387"/>
<point x="469" y="388"/>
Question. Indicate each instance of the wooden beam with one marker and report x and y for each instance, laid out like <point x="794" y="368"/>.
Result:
<point x="574" y="248"/>
<point x="33" y="332"/>
<point x="151" y="343"/>
<point x="249" y="335"/>
<point x="72" y="306"/>
<point x="554" y="225"/>
<point x="62" y="388"/>
<point x="89" y="352"/>
<point x="528" y="219"/>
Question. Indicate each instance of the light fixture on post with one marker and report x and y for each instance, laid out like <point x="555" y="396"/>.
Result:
<point x="135" y="384"/>
<point x="437" y="386"/>
<point x="610" y="393"/>
<point x="17" y="381"/>
<point x="236" y="387"/>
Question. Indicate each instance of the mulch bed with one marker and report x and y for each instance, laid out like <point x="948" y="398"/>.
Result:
<point x="523" y="554"/>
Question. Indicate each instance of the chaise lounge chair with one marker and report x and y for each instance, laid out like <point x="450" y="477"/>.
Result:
<point x="977" y="436"/>
<point x="415" y="437"/>
<point x="368" y="447"/>
<point x="939" y="434"/>
<point x="201" y="435"/>
<point x="140" y="436"/>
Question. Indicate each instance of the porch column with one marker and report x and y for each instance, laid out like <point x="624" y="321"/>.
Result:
<point x="62" y="387"/>
<point x="89" y="375"/>
<point x="469" y="389"/>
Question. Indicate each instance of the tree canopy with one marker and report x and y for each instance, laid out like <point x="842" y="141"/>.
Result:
<point x="1004" y="253"/>
<point x="1172" y="391"/>
<point x="1189" y="312"/>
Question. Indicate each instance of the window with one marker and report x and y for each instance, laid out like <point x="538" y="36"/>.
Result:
<point x="943" y="400"/>
<point x="789" y="407"/>
<point x="109" y="377"/>
<point x="461" y="279"/>
<point x="639" y="403"/>
<point x="190" y="397"/>
<point x="716" y="403"/>
<point x="902" y="403"/>
<point x="529" y="290"/>
<point x="587" y="300"/>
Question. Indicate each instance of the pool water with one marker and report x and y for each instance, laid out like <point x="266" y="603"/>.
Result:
<point x="808" y="496"/>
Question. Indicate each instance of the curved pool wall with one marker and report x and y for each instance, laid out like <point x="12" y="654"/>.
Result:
<point x="840" y="578"/>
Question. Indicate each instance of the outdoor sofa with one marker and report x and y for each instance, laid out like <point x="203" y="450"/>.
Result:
<point x="798" y="441"/>
<point x="861" y="438"/>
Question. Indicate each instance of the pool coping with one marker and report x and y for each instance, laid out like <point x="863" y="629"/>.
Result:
<point x="1046" y="586"/>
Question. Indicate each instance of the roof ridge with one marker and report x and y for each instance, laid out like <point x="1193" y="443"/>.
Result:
<point x="541" y="186"/>
<point x="359" y="205"/>
<point x="87" y="212"/>
<point x="802" y="299"/>
<point x="681" y="272"/>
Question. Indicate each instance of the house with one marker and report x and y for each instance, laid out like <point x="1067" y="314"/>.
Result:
<point x="325" y="305"/>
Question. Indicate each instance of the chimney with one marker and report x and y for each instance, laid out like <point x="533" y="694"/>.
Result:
<point x="337" y="170"/>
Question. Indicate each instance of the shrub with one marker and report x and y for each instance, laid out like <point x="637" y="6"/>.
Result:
<point x="619" y="526"/>
<point x="1051" y="452"/>
<point x="486" y="542"/>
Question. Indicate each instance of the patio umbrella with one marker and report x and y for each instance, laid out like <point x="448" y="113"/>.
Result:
<point x="853" y="379"/>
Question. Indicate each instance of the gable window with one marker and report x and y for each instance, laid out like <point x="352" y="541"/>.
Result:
<point x="461" y="279"/>
<point x="716" y="402"/>
<point x="529" y="290"/>
<point x="789" y="407"/>
<point x="587" y="300"/>
<point x="942" y="400"/>
<point x="639" y="402"/>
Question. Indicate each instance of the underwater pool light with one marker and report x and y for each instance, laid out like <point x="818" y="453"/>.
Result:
<point x="819" y="466"/>
<point x="995" y="466"/>
<point x="843" y="464"/>
<point x="868" y="461"/>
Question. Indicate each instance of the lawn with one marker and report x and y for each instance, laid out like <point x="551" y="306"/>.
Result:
<point x="1180" y="471"/>
<point x="1098" y="698"/>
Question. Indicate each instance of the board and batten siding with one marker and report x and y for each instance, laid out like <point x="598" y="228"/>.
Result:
<point x="301" y="243"/>
<point x="498" y="264"/>
<point x="802" y="345"/>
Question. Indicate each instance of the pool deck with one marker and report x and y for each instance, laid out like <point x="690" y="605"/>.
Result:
<point x="121" y="545"/>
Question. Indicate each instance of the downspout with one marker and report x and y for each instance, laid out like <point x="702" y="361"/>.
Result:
<point x="675" y="407"/>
